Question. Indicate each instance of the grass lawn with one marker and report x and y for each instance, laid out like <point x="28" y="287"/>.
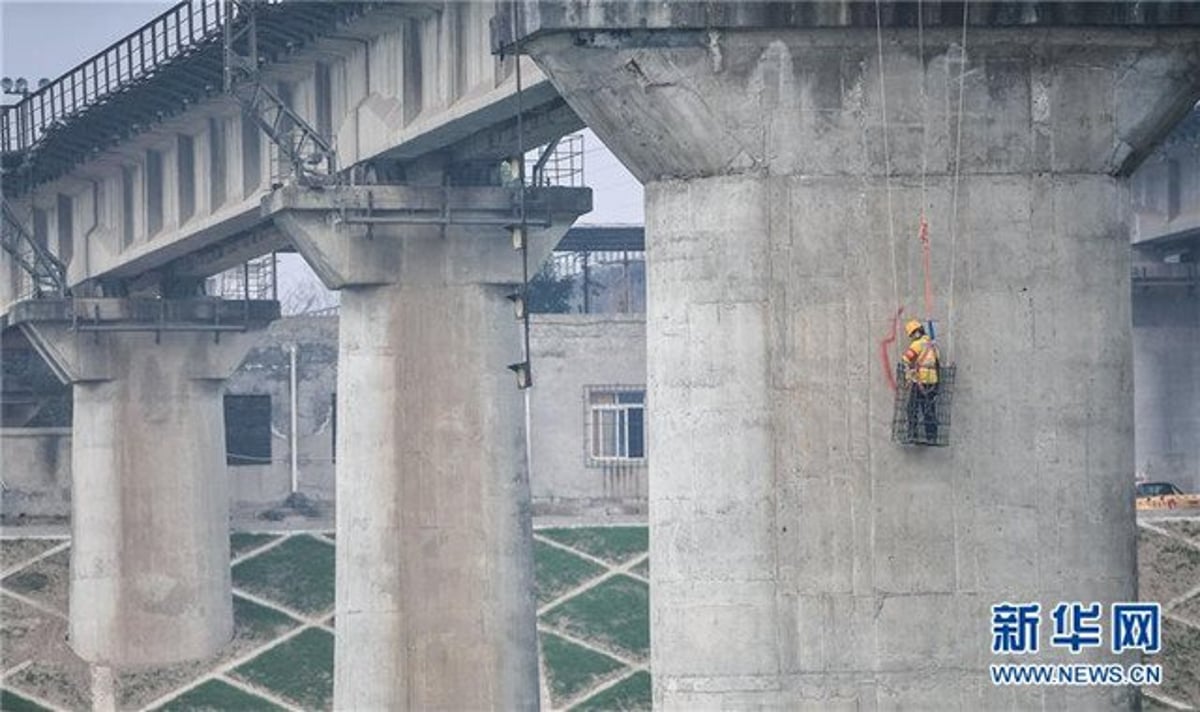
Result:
<point x="14" y="551"/>
<point x="614" y="614"/>
<point x="571" y="669"/>
<point x="12" y="702"/>
<point x="297" y="574"/>
<point x="218" y="696"/>
<point x="615" y="545"/>
<point x="632" y="693"/>
<point x="556" y="571"/>
<point x="299" y="670"/>
<point x="253" y="625"/>
<point x="46" y="581"/>
<point x="241" y="542"/>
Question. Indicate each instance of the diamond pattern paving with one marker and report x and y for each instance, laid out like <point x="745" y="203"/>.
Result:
<point x="217" y="696"/>
<point x="614" y="614"/>
<point x="46" y="581"/>
<point x="297" y="574"/>
<point x="299" y="670"/>
<point x="572" y="669"/>
<point x="594" y="625"/>
<point x="615" y="545"/>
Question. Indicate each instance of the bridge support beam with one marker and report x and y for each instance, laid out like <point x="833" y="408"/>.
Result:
<point x="150" y="580"/>
<point x="435" y="606"/>
<point x="801" y="559"/>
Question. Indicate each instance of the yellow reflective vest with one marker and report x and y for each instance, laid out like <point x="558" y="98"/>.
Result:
<point x="921" y="361"/>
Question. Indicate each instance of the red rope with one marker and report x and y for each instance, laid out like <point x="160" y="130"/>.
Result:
<point x="884" y="346"/>
<point x="925" y="258"/>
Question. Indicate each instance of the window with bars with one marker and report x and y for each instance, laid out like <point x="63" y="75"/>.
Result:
<point x="616" y="423"/>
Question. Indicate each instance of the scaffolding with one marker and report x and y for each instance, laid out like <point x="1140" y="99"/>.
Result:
<point x="255" y="279"/>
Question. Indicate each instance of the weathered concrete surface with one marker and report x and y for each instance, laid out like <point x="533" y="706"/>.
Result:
<point x="435" y="603"/>
<point x="37" y="472"/>
<point x="150" y="510"/>
<point x="801" y="560"/>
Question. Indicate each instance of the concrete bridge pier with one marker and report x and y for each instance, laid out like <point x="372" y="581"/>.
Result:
<point x="801" y="559"/>
<point x="435" y="605"/>
<point x="149" y="502"/>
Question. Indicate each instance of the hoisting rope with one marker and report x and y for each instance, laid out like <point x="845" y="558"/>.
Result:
<point x="962" y="73"/>
<point x="524" y="226"/>
<point x="887" y="160"/>
<point x="886" y="343"/>
<point x="922" y="223"/>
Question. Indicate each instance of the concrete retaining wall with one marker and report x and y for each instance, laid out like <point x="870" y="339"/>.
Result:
<point x="36" y="472"/>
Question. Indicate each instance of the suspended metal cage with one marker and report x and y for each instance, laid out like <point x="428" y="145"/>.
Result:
<point x="922" y="415"/>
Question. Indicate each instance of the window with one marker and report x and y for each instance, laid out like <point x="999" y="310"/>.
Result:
<point x="247" y="430"/>
<point x="616" y="423"/>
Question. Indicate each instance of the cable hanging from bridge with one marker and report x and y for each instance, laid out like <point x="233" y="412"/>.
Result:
<point x="520" y="235"/>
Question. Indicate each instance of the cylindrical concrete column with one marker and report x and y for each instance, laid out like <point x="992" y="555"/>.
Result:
<point x="150" y="579"/>
<point x="801" y="558"/>
<point x="435" y="600"/>
<point x="1166" y="359"/>
<point x="434" y="591"/>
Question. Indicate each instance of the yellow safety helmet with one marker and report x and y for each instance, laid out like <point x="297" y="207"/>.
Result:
<point x="911" y="327"/>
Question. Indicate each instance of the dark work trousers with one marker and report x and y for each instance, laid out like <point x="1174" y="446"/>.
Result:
<point x="922" y="403"/>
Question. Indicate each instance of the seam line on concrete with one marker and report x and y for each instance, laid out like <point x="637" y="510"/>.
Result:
<point x="36" y="558"/>
<point x="36" y="604"/>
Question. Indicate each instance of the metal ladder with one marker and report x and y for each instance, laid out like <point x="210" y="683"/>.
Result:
<point x="46" y="272"/>
<point x="312" y="158"/>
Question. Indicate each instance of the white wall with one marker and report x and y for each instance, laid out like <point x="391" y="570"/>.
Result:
<point x="571" y="352"/>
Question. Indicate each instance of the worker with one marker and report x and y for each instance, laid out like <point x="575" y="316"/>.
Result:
<point x="921" y="374"/>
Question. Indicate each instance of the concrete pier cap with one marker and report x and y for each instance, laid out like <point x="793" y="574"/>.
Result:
<point x="149" y="500"/>
<point x="435" y="602"/>
<point x="788" y="152"/>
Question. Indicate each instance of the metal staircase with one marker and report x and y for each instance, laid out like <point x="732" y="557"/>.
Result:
<point x="310" y="155"/>
<point x="46" y="272"/>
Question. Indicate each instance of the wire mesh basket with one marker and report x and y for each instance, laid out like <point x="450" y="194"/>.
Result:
<point x="922" y="413"/>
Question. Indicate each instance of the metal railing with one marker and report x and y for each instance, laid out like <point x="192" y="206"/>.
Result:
<point x="183" y="27"/>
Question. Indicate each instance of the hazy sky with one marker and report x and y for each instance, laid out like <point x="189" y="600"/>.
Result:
<point x="48" y="38"/>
